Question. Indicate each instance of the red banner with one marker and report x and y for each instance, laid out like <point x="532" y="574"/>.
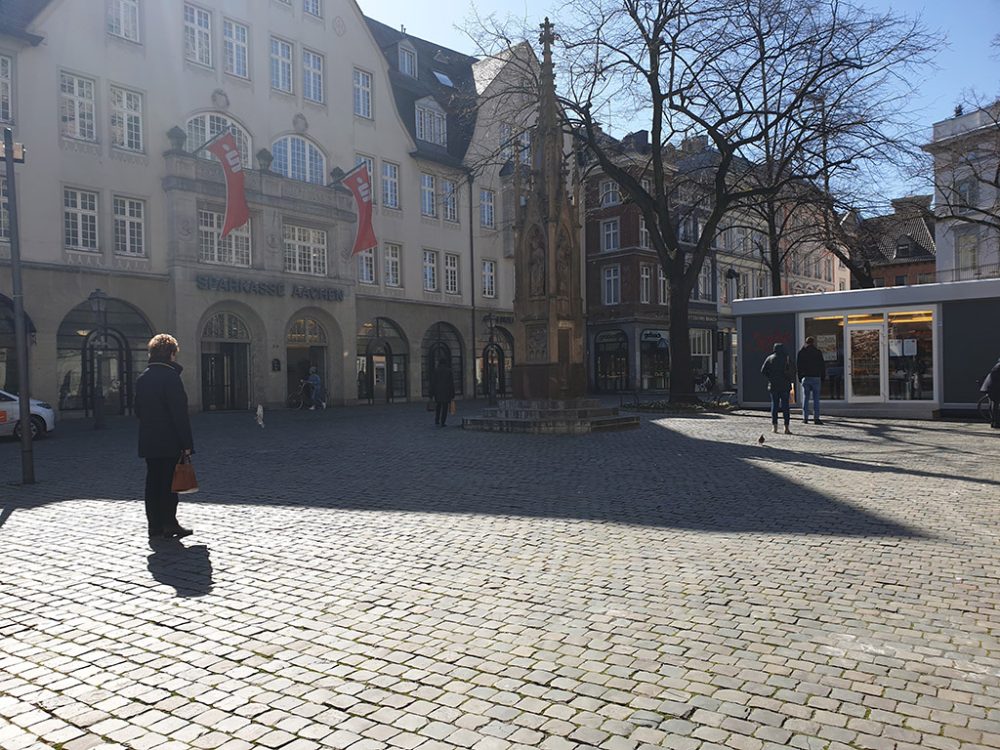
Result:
<point x="237" y="211"/>
<point x="359" y="182"/>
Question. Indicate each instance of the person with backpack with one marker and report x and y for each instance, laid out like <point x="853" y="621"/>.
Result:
<point x="780" y="374"/>
<point x="991" y="387"/>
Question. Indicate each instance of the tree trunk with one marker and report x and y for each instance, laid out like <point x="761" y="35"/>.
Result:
<point x="681" y="377"/>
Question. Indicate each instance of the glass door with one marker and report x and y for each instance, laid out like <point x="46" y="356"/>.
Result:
<point x="867" y="366"/>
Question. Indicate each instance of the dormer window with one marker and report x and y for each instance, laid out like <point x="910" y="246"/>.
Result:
<point x="903" y="247"/>
<point x="407" y="61"/>
<point x="432" y="125"/>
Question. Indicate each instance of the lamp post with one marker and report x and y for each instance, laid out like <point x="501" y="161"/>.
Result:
<point x="13" y="153"/>
<point x="99" y="306"/>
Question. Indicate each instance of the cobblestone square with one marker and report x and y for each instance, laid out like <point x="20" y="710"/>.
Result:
<point x="360" y="579"/>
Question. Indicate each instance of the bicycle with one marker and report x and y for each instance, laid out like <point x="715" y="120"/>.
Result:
<point x="298" y="399"/>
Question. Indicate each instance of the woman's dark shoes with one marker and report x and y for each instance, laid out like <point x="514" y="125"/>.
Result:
<point x="178" y="532"/>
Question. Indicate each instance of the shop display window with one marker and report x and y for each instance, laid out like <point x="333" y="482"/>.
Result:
<point x="829" y="334"/>
<point x="911" y="356"/>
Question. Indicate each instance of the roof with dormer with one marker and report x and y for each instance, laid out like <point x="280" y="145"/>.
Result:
<point x="442" y="74"/>
<point x="881" y="235"/>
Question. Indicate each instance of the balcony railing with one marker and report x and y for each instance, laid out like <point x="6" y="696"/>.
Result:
<point x="984" y="271"/>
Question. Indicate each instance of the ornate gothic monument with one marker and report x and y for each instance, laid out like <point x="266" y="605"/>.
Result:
<point x="548" y="302"/>
<point x="549" y="375"/>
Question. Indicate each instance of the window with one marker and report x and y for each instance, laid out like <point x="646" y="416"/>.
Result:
<point x="390" y="184"/>
<point x="645" y="283"/>
<point x="431" y="126"/>
<point x="828" y="269"/>
<point x="487" y="215"/>
<point x="450" y="273"/>
<point x="967" y="252"/>
<point x="506" y="141"/>
<point x="129" y="225"/>
<point x="126" y="119"/>
<point x="298" y="159"/>
<point x="449" y="200"/>
<point x="369" y="163"/>
<point x="796" y="263"/>
<point x="609" y="235"/>
<point x="281" y="65"/>
<point x="612" y="285"/>
<point x="664" y="287"/>
<point x="878" y="282"/>
<point x="79" y="219"/>
<point x="525" y="140"/>
<point x="235" y="48"/>
<point x="305" y="250"/>
<point x="390" y="264"/>
<point x="900" y="281"/>
<point x="489" y="278"/>
<point x="761" y="280"/>
<point x="362" y="93"/>
<point x="202" y="128"/>
<point x="234" y="250"/>
<point x="197" y="35"/>
<point x="312" y="77"/>
<point x="76" y="107"/>
<point x="313" y="7"/>
<point x="922" y="278"/>
<point x="903" y="247"/>
<point x="366" y="266"/>
<point x="407" y="61"/>
<point x="123" y="19"/>
<point x="964" y="195"/>
<point x="430" y="270"/>
<point x="4" y="211"/>
<point x="610" y="196"/>
<point x="6" y="89"/>
<point x="427" y="195"/>
<point x="841" y="286"/>
<point x="643" y="233"/>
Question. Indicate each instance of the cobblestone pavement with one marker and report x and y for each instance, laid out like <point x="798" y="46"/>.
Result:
<point x="359" y="579"/>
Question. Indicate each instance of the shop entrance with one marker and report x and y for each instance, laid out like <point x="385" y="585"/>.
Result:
<point x="867" y="365"/>
<point x="611" y="372"/>
<point x="306" y="346"/>
<point x="381" y="362"/>
<point x="225" y="364"/>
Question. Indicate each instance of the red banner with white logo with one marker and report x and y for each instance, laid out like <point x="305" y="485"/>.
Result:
<point x="359" y="182"/>
<point x="237" y="211"/>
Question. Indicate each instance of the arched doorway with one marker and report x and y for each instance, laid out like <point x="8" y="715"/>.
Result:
<point x="503" y="362"/>
<point x="305" y="347"/>
<point x="441" y="342"/>
<point x="382" y="359"/>
<point x="225" y="363"/>
<point x="611" y="361"/>
<point x="122" y="356"/>
<point x="8" y="345"/>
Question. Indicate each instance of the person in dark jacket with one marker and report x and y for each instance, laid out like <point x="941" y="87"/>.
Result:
<point x="780" y="374"/>
<point x="164" y="433"/>
<point x="442" y="391"/>
<point x="991" y="387"/>
<point x="812" y="370"/>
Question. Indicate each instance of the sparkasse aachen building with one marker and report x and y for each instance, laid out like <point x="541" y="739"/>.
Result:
<point x="114" y="101"/>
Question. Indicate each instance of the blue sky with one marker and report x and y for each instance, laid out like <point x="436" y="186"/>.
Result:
<point x="968" y="62"/>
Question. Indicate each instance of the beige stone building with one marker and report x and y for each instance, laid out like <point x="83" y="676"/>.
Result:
<point x="114" y="107"/>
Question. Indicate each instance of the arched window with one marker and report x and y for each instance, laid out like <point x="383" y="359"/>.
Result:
<point x="297" y="158"/>
<point x="225" y="326"/>
<point x="306" y="332"/>
<point x="201" y="128"/>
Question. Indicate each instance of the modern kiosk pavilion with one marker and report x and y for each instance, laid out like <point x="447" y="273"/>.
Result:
<point x="910" y="352"/>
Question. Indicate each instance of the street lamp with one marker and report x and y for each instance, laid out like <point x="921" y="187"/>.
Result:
<point x="99" y="306"/>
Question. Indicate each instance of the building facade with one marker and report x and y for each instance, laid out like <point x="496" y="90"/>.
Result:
<point x="118" y="194"/>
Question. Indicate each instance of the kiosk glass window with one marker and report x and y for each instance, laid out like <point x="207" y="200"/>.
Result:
<point x="911" y="355"/>
<point x="828" y="331"/>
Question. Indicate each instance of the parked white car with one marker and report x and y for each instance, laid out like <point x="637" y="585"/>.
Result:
<point x="43" y="416"/>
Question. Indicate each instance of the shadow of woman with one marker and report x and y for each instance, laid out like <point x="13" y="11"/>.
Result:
<point x="187" y="569"/>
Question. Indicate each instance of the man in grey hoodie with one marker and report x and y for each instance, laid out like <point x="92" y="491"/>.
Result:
<point x="780" y="375"/>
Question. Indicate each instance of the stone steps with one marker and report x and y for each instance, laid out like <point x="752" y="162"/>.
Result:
<point x="571" y="417"/>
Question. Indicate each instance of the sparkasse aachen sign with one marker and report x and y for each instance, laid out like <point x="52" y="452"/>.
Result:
<point x="268" y="288"/>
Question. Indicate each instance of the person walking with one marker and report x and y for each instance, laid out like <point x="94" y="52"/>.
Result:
<point x="991" y="387"/>
<point x="442" y="391"/>
<point x="811" y="370"/>
<point x="316" y="395"/>
<point x="164" y="433"/>
<point x="780" y="374"/>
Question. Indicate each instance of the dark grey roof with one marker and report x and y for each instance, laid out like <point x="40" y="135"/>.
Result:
<point x="17" y="15"/>
<point x="457" y="100"/>
<point x="880" y="235"/>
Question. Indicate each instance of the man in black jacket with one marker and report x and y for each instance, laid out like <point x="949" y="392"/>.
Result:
<point x="442" y="391"/>
<point x="991" y="387"/>
<point x="164" y="433"/>
<point x="812" y="369"/>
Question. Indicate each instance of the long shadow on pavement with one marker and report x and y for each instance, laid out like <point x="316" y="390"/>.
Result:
<point x="392" y="459"/>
